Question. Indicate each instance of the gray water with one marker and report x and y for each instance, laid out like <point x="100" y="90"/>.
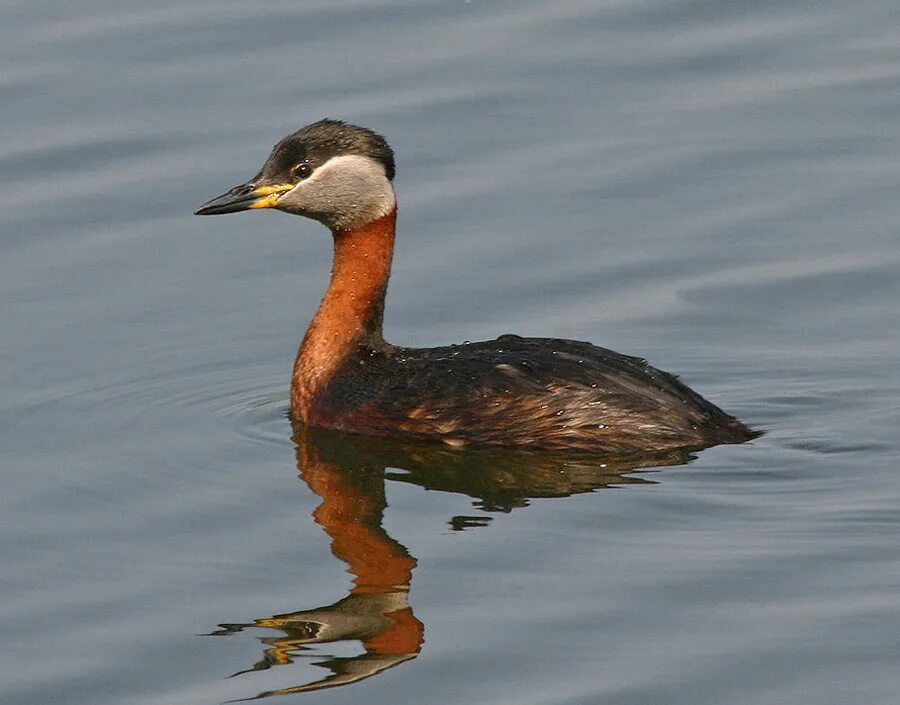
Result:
<point x="711" y="185"/>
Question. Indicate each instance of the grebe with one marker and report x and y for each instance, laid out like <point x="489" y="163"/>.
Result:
<point x="512" y="391"/>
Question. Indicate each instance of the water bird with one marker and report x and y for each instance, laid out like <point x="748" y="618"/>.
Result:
<point x="541" y="393"/>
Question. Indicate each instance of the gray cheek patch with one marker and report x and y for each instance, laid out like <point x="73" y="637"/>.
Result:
<point x="345" y="192"/>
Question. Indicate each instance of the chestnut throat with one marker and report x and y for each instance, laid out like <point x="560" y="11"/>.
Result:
<point x="351" y="313"/>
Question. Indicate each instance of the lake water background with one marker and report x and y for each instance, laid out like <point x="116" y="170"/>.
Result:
<point x="710" y="185"/>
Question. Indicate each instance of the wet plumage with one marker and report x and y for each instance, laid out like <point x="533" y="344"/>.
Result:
<point x="528" y="392"/>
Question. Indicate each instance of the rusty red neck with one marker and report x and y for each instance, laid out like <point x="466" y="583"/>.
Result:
<point x="352" y="311"/>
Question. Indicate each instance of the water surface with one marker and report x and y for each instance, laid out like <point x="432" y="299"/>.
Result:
<point x="709" y="186"/>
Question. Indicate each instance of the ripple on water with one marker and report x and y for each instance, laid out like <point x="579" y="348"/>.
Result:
<point x="254" y="404"/>
<point x="251" y="401"/>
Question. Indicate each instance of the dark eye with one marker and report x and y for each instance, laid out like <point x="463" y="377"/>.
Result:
<point x="301" y="171"/>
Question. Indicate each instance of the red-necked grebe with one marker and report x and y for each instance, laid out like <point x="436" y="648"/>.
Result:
<point x="512" y="391"/>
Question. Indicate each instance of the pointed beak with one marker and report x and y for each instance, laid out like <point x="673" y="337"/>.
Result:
<point x="244" y="197"/>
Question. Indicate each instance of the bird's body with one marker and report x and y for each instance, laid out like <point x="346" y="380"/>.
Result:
<point x="512" y="391"/>
<point x="526" y="392"/>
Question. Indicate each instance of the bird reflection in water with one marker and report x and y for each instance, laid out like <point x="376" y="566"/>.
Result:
<point x="348" y="473"/>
